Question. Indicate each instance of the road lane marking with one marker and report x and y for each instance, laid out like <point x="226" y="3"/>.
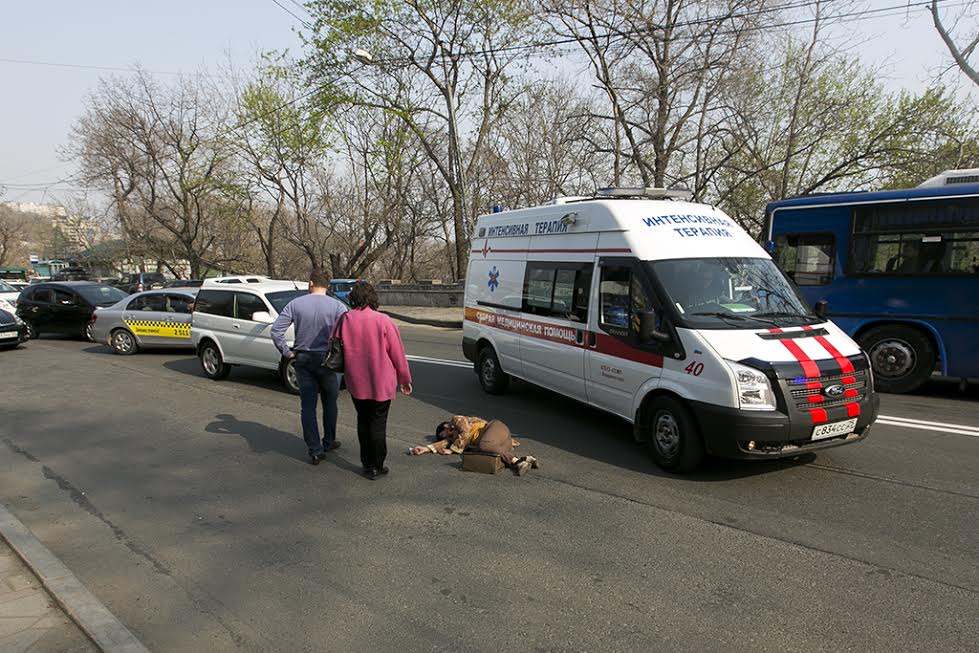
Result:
<point x="958" y="429"/>
<point x="440" y="361"/>
<point x="941" y="427"/>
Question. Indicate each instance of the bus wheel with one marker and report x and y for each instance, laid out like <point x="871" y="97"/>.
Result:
<point x="902" y="357"/>
<point x="491" y="376"/>
<point x="672" y="436"/>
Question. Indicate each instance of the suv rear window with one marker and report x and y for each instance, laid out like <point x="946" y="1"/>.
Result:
<point x="283" y="297"/>
<point x="215" y="302"/>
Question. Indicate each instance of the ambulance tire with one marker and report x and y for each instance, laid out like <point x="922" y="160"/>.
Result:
<point x="212" y="364"/>
<point x="123" y="342"/>
<point x="902" y="357"/>
<point x="491" y="375"/>
<point x="672" y="436"/>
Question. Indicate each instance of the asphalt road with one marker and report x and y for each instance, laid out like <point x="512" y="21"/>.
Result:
<point x="187" y="507"/>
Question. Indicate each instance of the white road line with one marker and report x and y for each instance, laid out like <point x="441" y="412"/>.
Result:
<point x="925" y="427"/>
<point x="890" y="420"/>
<point x="440" y="361"/>
<point x="921" y="421"/>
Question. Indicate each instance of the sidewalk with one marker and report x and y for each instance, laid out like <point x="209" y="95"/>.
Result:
<point x="29" y="619"/>
<point x="449" y="318"/>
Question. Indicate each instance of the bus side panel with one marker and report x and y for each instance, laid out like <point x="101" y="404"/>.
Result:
<point x="946" y="307"/>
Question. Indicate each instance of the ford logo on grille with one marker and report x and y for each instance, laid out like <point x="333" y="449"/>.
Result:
<point x="836" y="390"/>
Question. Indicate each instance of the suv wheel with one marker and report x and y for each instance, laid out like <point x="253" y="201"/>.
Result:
<point x="672" y="436"/>
<point x="211" y="362"/>
<point x="31" y="330"/>
<point x="287" y="372"/>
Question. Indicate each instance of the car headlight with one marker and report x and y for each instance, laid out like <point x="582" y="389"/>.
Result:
<point x="754" y="389"/>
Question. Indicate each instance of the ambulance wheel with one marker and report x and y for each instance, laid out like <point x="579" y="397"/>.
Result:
<point x="491" y="376"/>
<point x="672" y="436"/>
<point x="123" y="342"/>
<point x="211" y="362"/>
<point x="902" y="357"/>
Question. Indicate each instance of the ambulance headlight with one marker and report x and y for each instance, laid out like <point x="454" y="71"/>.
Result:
<point x="754" y="389"/>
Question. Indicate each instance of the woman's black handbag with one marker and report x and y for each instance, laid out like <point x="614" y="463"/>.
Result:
<point x="334" y="355"/>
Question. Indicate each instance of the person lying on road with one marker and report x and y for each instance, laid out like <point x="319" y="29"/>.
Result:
<point x="493" y="437"/>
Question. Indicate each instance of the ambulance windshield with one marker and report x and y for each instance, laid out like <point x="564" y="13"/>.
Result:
<point x="745" y="293"/>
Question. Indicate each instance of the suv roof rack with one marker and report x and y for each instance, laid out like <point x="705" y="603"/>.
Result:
<point x="648" y="193"/>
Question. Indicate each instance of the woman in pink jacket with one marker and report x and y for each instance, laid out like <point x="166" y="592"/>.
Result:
<point x="374" y="367"/>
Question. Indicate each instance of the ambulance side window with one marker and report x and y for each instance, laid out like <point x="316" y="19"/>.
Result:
<point x="623" y="299"/>
<point x="558" y="290"/>
<point x="614" y="298"/>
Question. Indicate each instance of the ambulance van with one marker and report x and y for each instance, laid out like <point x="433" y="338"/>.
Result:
<point x="665" y="313"/>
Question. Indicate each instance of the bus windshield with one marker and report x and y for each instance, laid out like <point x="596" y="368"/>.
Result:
<point x="734" y="292"/>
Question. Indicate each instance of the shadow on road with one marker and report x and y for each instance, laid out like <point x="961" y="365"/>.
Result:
<point x="261" y="439"/>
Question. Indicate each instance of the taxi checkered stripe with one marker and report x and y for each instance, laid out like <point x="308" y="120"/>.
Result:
<point x="159" y="328"/>
<point x="159" y="324"/>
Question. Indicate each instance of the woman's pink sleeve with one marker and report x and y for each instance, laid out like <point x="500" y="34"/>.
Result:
<point x="396" y="352"/>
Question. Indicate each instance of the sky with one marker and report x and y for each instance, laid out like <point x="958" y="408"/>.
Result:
<point x="39" y="103"/>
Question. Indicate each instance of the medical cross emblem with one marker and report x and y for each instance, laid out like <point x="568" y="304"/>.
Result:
<point x="494" y="279"/>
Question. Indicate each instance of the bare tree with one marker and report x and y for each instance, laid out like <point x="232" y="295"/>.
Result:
<point x="155" y="150"/>
<point x="960" y="40"/>
<point x="439" y="66"/>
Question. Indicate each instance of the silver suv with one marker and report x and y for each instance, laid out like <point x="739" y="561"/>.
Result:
<point x="232" y="324"/>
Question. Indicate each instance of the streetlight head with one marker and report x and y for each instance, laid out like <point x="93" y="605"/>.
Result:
<point x="363" y="56"/>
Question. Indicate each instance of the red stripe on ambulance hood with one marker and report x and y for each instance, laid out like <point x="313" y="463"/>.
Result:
<point x="846" y="367"/>
<point x="809" y="367"/>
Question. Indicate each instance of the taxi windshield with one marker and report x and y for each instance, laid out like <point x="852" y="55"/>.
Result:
<point x="735" y="292"/>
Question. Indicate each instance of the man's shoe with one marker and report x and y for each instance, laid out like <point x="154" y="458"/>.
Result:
<point x="331" y="446"/>
<point x="523" y="467"/>
<point x="321" y="456"/>
<point x="315" y="458"/>
<point x="370" y="473"/>
<point x="533" y="462"/>
<point x="383" y="470"/>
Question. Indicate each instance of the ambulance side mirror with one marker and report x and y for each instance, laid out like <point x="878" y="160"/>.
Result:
<point x="647" y="328"/>
<point x="821" y="309"/>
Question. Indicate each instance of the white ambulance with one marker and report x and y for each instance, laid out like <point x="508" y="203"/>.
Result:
<point x="668" y="314"/>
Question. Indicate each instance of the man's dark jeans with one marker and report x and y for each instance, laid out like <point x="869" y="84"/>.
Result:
<point x="317" y="381"/>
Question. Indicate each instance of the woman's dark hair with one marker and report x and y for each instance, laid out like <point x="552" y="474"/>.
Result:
<point x="363" y="295"/>
<point x="440" y="430"/>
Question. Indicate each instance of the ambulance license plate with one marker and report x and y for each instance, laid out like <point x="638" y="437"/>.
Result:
<point x="832" y="430"/>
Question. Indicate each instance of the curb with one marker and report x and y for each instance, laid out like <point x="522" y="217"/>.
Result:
<point x="95" y="620"/>
<point x="445" y="324"/>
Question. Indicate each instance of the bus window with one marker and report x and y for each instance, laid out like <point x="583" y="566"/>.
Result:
<point x="918" y="239"/>
<point x="809" y="259"/>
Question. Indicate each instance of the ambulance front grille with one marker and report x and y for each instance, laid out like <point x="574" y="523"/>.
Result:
<point x="801" y="393"/>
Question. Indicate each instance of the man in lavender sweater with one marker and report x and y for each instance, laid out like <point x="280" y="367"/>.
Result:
<point x="313" y="316"/>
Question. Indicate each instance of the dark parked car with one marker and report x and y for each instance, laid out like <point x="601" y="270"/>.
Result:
<point x="12" y="330"/>
<point x="71" y="274"/>
<point x="140" y="281"/>
<point x="64" y="307"/>
<point x="184" y="283"/>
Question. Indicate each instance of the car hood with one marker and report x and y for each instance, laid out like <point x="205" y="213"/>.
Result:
<point x="819" y="343"/>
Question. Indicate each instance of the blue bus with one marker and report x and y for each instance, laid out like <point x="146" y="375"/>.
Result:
<point x="898" y="270"/>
